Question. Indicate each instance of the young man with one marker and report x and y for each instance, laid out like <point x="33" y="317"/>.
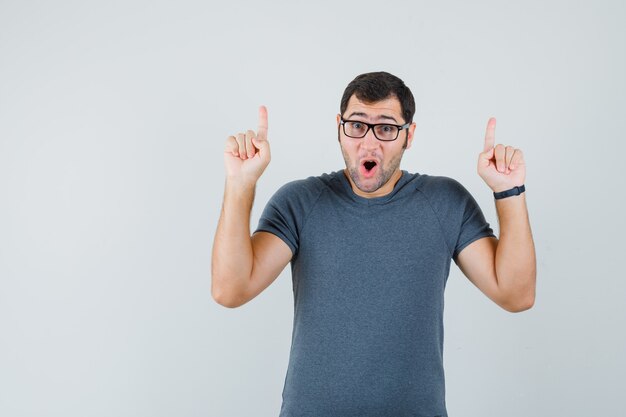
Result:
<point x="370" y="249"/>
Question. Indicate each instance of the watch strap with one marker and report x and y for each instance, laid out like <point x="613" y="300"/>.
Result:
<point x="508" y="193"/>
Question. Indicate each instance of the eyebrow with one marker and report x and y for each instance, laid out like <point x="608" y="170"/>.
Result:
<point x="382" y="116"/>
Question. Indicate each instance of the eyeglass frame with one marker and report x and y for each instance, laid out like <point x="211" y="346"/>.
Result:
<point x="371" y="126"/>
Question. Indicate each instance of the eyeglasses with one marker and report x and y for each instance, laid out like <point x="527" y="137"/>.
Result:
<point x="383" y="131"/>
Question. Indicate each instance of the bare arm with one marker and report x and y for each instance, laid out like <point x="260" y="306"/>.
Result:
<point x="505" y="269"/>
<point x="242" y="266"/>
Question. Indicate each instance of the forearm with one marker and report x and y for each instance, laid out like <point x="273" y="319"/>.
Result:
<point x="515" y="253"/>
<point x="232" y="258"/>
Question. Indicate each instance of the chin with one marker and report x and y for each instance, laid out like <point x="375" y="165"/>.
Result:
<point x="368" y="190"/>
<point x="374" y="186"/>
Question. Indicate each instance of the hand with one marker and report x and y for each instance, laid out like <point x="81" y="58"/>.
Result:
<point x="247" y="154"/>
<point x="502" y="168"/>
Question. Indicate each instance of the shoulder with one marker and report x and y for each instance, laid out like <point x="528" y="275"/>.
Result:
<point x="304" y="191"/>
<point x="439" y="187"/>
<point x="437" y="183"/>
<point x="446" y="195"/>
<point x="306" y="186"/>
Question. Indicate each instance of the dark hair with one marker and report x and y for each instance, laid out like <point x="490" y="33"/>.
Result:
<point x="376" y="86"/>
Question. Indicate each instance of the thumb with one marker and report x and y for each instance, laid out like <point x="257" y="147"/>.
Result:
<point x="263" y="146"/>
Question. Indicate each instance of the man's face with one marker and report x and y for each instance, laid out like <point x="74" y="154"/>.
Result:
<point x="373" y="166"/>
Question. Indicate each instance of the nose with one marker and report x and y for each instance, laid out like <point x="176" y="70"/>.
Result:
<point x="370" y="141"/>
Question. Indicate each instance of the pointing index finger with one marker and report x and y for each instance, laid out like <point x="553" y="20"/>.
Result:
<point x="490" y="135"/>
<point x="262" y="129"/>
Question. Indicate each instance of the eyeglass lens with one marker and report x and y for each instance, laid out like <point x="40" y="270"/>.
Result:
<point x="359" y="130"/>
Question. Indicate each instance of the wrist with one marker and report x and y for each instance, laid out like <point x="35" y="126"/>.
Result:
<point x="240" y="190"/>
<point x="515" y="191"/>
<point x="239" y="181"/>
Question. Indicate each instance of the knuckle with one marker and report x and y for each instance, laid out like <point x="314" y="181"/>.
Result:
<point x="231" y="143"/>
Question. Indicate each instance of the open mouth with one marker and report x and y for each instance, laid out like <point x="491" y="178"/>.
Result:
<point x="369" y="168"/>
<point x="369" y="165"/>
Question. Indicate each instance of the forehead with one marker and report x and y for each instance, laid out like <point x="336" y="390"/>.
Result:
<point x="388" y="107"/>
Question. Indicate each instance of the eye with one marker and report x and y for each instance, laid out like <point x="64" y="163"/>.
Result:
<point x="387" y="128"/>
<point x="356" y="125"/>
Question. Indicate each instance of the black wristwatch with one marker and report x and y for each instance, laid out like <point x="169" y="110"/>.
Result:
<point x="508" y="193"/>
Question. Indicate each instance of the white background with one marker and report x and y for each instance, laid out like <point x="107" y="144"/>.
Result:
<point x="113" y="117"/>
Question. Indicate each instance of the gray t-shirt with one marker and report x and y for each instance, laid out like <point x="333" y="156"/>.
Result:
<point x="368" y="282"/>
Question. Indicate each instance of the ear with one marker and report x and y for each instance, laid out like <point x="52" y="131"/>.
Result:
<point x="338" y="134"/>
<point x="411" y="132"/>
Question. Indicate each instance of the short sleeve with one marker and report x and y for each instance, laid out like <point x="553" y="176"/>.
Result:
<point x="473" y="224"/>
<point x="286" y="210"/>
<point x="461" y="219"/>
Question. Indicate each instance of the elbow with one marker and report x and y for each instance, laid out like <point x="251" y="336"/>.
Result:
<point x="226" y="298"/>
<point x="227" y="301"/>
<point x="519" y="304"/>
<point x="521" y="299"/>
<point x="518" y="308"/>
